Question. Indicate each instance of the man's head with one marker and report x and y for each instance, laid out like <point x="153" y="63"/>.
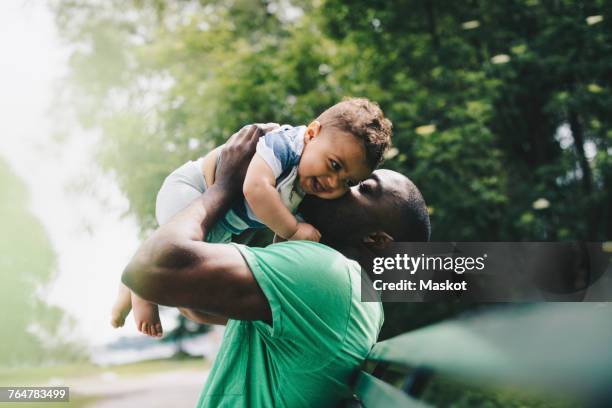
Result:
<point x="342" y="147"/>
<point x="385" y="207"/>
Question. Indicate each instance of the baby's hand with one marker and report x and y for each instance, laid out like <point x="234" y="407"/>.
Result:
<point x="307" y="232"/>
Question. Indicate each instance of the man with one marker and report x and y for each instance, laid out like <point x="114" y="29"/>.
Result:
<point x="296" y="327"/>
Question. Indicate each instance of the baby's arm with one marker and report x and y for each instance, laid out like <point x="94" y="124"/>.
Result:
<point x="260" y="192"/>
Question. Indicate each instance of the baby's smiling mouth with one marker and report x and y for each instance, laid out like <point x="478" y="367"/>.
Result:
<point x="316" y="186"/>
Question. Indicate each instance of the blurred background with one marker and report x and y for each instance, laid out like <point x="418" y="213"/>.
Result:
<point x="501" y="114"/>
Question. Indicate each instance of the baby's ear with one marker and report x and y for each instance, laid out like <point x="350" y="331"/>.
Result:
<point x="378" y="240"/>
<point x="312" y="130"/>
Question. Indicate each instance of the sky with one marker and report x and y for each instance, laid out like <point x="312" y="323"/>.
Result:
<point x="90" y="232"/>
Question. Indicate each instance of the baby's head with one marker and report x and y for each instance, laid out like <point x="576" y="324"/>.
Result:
<point x="342" y="147"/>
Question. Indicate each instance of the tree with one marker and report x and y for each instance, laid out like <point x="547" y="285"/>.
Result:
<point x="477" y="99"/>
<point x="184" y="330"/>
<point x="33" y="328"/>
<point x="501" y="110"/>
<point x="499" y="79"/>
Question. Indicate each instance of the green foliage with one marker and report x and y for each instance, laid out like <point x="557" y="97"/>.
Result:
<point x="31" y="328"/>
<point x="476" y="98"/>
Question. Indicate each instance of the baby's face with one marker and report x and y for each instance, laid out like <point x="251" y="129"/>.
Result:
<point x="332" y="161"/>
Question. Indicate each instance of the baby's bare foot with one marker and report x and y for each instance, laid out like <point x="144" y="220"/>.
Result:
<point x="122" y="306"/>
<point x="146" y="316"/>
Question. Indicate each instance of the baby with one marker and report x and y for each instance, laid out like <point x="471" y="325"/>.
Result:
<point x="334" y="152"/>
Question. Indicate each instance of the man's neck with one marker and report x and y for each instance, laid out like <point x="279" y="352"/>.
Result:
<point x="362" y="255"/>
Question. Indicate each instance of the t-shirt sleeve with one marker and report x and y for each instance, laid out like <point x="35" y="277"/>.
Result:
<point x="308" y="287"/>
<point x="278" y="151"/>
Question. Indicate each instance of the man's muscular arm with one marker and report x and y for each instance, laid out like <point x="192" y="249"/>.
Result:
<point x="174" y="267"/>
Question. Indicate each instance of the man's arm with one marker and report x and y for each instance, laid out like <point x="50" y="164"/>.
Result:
<point x="174" y="267"/>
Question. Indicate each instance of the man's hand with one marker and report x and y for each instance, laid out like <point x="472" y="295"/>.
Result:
<point x="174" y="267"/>
<point x="237" y="154"/>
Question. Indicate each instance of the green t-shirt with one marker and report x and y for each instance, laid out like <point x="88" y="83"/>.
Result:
<point x="320" y="333"/>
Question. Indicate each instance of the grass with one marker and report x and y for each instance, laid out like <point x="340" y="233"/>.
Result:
<point x="41" y="376"/>
<point x="152" y="366"/>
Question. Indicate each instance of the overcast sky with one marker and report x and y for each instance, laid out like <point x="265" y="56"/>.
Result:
<point x="91" y="237"/>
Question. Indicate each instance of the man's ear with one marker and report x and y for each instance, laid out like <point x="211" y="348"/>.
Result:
<point x="312" y="131"/>
<point x="378" y="240"/>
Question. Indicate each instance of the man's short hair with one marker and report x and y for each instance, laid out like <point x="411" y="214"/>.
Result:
<point x="365" y="120"/>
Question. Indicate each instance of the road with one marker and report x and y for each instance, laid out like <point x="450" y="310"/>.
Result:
<point x="177" y="389"/>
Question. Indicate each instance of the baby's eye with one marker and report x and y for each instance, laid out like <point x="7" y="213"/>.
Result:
<point x="335" y="165"/>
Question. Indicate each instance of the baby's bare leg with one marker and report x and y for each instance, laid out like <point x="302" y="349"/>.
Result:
<point x="122" y="306"/>
<point x="146" y="316"/>
<point x="209" y="165"/>
<point x="179" y="189"/>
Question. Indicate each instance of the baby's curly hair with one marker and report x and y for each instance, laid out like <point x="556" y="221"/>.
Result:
<point x="365" y="120"/>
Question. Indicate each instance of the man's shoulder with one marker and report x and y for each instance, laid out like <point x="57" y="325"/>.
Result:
<point x="305" y="261"/>
<point x="307" y="248"/>
<point x="307" y="285"/>
<point x="296" y="251"/>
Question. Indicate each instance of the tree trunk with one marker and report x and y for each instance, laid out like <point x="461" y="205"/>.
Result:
<point x="578" y="134"/>
<point x="592" y="215"/>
